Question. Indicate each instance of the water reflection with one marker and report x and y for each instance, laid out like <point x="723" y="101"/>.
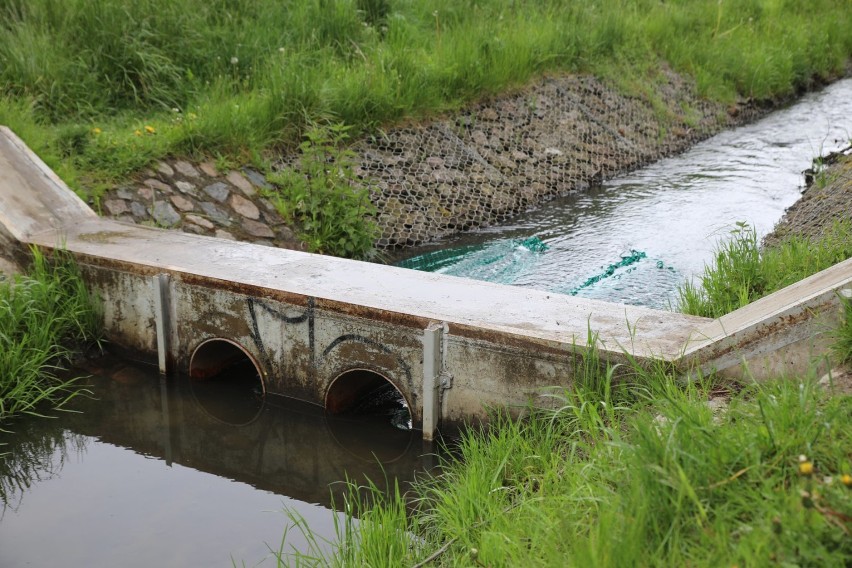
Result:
<point x="143" y="448"/>
<point x="39" y="455"/>
<point x="234" y="398"/>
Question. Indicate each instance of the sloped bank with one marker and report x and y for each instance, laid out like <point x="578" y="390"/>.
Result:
<point x="457" y="173"/>
<point x="826" y="199"/>
<point x="501" y="157"/>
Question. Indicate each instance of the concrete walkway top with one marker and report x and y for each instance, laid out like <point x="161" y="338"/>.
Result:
<point x="356" y="286"/>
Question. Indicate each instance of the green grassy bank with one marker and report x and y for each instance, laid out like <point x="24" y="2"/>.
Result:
<point x="44" y="317"/>
<point x="100" y="88"/>
<point x="648" y="470"/>
<point x="648" y="474"/>
<point x="741" y="271"/>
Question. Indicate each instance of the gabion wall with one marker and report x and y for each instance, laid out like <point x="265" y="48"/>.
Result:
<point x="504" y="156"/>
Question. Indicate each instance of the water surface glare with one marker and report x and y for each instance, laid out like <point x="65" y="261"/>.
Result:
<point x="674" y="211"/>
<point x="154" y="473"/>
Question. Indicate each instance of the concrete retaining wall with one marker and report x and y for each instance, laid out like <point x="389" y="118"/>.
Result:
<point x="453" y="347"/>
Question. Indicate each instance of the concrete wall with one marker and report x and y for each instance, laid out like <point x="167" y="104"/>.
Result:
<point x="303" y="344"/>
<point x="779" y="335"/>
<point x="452" y="347"/>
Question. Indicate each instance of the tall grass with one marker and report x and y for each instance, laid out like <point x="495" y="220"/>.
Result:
<point x="742" y="272"/>
<point x="44" y="316"/>
<point x="246" y="75"/>
<point x="842" y="345"/>
<point x="654" y="477"/>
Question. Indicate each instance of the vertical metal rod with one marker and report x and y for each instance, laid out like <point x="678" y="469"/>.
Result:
<point x="432" y="364"/>
<point x="161" y="316"/>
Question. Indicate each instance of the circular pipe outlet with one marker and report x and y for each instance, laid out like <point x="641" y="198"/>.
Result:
<point x="226" y="381"/>
<point x="360" y="389"/>
<point x="368" y="415"/>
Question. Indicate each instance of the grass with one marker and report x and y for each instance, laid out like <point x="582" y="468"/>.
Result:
<point x="639" y="472"/>
<point x="44" y="316"/>
<point x="82" y="81"/>
<point x="324" y="194"/>
<point x="742" y="272"/>
<point x="842" y="336"/>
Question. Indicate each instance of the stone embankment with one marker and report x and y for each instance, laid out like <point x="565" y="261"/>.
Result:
<point x="479" y="167"/>
<point x="200" y="199"/>
<point x="826" y="199"/>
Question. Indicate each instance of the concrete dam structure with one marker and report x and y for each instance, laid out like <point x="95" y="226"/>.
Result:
<point x="327" y="330"/>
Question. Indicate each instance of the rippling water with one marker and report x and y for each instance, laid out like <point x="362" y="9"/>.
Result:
<point x="674" y="211"/>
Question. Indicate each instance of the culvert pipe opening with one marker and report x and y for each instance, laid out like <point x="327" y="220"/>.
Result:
<point x="364" y="393"/>
<point x="226" y="381"/>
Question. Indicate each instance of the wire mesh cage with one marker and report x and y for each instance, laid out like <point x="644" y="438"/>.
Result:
<point x="501" y="157"/>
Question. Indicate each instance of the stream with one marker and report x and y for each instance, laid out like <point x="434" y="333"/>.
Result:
<point x="634" y="239"/>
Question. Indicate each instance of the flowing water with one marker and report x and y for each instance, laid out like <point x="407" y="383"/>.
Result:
<point x="635" y="238"/>
<point x="173" y="473"/>
<point x="177" y="473"/>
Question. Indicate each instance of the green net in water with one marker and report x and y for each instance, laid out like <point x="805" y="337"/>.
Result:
<point x="501" y="262"/>
<point x="505" y="261"/>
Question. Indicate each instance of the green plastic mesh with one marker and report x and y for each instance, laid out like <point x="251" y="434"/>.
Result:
<point x="501" y="261"/>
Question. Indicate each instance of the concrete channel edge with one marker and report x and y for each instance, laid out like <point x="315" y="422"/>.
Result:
<point x="452" y="347"/>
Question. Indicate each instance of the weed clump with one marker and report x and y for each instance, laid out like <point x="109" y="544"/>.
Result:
<point x="742" y="272"/>
<point x="44" y="317"/>
<point x="842" y="335"/>
<point x="323" y="194"/>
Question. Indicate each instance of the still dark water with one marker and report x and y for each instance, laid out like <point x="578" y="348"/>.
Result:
<point x="153" y="473"/>
<point x="674" y="211"/>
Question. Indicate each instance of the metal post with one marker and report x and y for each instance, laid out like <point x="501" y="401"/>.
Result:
<point x="432" y="365"/>
<point x="161" y="315"/>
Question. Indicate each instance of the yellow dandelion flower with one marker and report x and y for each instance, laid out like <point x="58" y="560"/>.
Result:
<point x="846" y="480"/>
<point x="150" y="129"/>
<point x="806" y="468"/>
<point x="96" y="131"/>
<point x="137" y="132"/>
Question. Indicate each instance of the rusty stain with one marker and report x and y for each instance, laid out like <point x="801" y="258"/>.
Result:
<point x="351" y="353"/>
<point x="391" y="317"/>
<point x="507" y="340"/>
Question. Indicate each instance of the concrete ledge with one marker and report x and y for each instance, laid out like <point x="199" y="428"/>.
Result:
<point x="778" y="334"/>
<point x="372" y="290"/>
<point x="33" y="199"/>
